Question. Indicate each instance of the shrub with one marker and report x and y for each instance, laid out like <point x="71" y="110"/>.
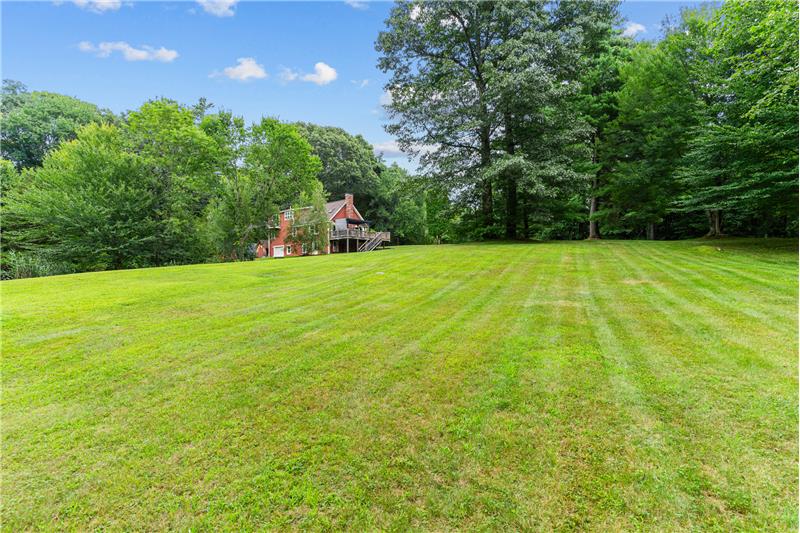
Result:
<point x="17" y="265"/>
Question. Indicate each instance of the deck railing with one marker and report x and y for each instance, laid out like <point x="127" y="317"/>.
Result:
<point x="359" y="234"/>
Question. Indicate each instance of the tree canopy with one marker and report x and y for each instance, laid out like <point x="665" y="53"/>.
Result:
<point x="32" y="124"/>
<point x="533" y="120"/>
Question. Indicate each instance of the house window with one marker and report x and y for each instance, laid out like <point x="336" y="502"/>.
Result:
<point x="288" y="250"/>
<point x="289" y="215"/>
<point x="303" y="248"/>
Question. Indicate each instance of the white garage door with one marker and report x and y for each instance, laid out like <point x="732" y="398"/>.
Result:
<point x="277" y="251"/>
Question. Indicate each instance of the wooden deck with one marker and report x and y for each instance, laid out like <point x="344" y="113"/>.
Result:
<point x="339" y="234"/>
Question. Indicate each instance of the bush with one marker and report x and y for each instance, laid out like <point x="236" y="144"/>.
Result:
<point x="17" y="265"/>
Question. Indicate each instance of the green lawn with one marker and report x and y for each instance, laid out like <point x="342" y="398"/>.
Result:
<point x="586" y="385"/>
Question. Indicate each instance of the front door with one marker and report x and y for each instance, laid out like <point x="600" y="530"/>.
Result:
<point x="277" y="251"/>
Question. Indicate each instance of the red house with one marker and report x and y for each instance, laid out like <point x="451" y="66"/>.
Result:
<point x="348" y="232"/>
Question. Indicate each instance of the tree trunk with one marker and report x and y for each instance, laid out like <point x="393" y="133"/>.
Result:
<point x="511" y="206"/>
<point x="486" y="202"/>
<point x="651" y="231"/>
<point x="714" y="223"/>
<point x="594" y="231"/>
<point x="486" y="186"/>
<point x="526" y="233"/>
<point x="511" y="187"/>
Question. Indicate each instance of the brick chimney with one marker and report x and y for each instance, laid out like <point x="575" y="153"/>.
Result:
<point x="348" y="201"/>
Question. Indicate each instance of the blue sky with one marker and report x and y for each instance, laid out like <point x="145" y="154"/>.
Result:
<point x="310" y="61"/>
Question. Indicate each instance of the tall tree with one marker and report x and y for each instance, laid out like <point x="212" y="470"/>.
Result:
<point x="440" y="106"/>
<point x="32" y="124"/>
<point x="91" y="204"/>
<point x="534" y="79"/>
<point x="602" y="53"/>
<point x="272" y="166"/>
<point x="183" y="161"/>
<point x="743" y="159"/>
<point x="662" y="99"/>
<point x="348" y="162"/>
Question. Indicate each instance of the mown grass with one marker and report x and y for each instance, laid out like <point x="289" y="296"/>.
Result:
<point x="589" y="385"/>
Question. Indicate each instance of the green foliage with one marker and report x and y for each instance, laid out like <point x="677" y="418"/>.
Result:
<point x="707" y="126"/>
<point x="310" y="227"/>
<point x="91" y="205"/>
<point x="264" y="167"/>
<point x="281" y="161"/>
<point x="19" y="265"/>
<point x="32" y="124"/>
<point x="539" y="103"/>
<point x="9" y="177"/>
<point x="658" y="109"/>
<point x="182" y="161"/>
<point x="348" y="164"/>
<point x="408" y="217"/>
<point x="742" y="160"/>
<point x="533" y="119"/>
<point x="164" y="188"/>
<point x="489" y="90"/>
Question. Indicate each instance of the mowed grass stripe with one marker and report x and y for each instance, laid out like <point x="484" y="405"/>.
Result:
<point x="691" y="399"/>
<point x="749" y="269"/>
<point x="212" y="333"/>
<point x="741" y="297"/>
<point x="390" y="397"/>
<point x="402" y="381"/>
<point x="646" y="485"/>
<point x="492" y="386"/>
<point x="697" y="309"/>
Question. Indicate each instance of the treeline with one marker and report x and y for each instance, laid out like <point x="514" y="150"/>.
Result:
<point x="541" y="120"/>
<point x="532" y="120"/>
<point x="83" y="189"/>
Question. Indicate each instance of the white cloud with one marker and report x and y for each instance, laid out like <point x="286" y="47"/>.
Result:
<point x="219" y="8"/>
<point x="98" y="6"/>
<point x="360" y="83"/>
<point x="288" y="74"/>
<point x="392" y="149"/>
<point x="323" y="74"/>
<point x="246" y="69"/>
<point x="388" y="149"/>
<point x="386" y="98"/>
<point x="415" y="12"/>
<point x="356" y="4"/>
<point x="145" y="53"/>
<point x="633" y="29"/>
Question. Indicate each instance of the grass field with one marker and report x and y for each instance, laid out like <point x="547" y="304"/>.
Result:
<point x="588" y="385"/>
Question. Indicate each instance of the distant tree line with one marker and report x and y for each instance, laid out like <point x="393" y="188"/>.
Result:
<point x="541" y="120"/>
<point x="531" y="120"/>
<point x="83" y="189"/>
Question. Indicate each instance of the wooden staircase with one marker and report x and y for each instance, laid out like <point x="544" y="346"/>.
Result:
<point x="372" y="243"/>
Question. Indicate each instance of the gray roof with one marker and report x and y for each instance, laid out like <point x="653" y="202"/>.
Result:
<point x="333" y="207"/>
